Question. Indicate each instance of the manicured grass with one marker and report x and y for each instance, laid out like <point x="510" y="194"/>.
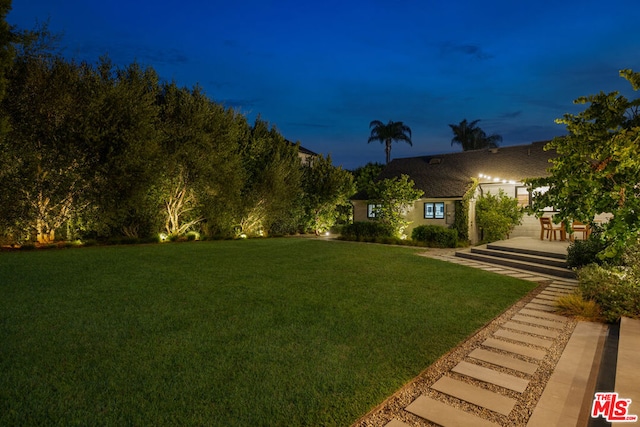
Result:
<point x="260" y="332"/>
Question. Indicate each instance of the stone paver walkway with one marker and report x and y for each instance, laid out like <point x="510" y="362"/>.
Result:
<point x="485" y="386"/>
<point x="490" y="375"/>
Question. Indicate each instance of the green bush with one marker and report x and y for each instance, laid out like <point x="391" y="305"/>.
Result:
<point x="612" y="289"/>
<point x="615" y="288"/>
<point x="435" y="236"/>
<point x="496" y="215"/>
<point x="585" y="252"/>
<point x="367" y="231"/>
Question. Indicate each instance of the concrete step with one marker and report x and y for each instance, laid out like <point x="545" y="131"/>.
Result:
<point x="500" y="246"/>
<point x="536" y="267"/>
<point x="518" y="256"/>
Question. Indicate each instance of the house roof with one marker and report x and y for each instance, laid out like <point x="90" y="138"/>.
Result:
<point x="449" y="175"/>
<point x="306" y="151"/>
<point x="301" y="149"/>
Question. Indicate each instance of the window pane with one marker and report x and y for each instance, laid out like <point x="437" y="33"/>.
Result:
<point x="372" y="210"/>
<point x="439" y="210"/>
<point x="428" y="210"/>
<point x="522" y="194"/>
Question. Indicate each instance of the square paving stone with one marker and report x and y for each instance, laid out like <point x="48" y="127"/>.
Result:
<point x="540" y="307"/>
<point x="445" y="415"/>
<point x="544" y="315"/>
<point x="522" y="350"/>
<point x="504" y="361"/>
<point x="531" y="329"/>
<point x="546" y="297"/>
<point x="542" y="301"/>
<point x="528" y="339"/>
<point x="538" y="321"/>
<point x="476" y="395"/>
<point x="490" y="376"/>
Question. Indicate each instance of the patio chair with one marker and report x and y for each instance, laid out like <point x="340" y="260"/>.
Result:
<point x="546" y="225"/>
<point x="580" y="227"/>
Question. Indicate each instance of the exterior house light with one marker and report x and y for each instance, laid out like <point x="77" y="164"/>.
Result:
<point x="497" y="179"/>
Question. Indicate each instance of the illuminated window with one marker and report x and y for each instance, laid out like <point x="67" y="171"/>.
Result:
<point x="434" y="210"/>
<point x="373" y="210"/>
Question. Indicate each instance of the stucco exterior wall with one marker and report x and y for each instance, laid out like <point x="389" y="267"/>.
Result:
<point x="415" y="214"/>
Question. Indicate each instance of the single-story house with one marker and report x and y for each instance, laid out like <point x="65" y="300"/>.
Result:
<point x="446" y="178"/>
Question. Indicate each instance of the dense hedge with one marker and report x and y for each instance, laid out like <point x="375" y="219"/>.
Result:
<point x="436" y="236"/>
<point x="366" y="231"/>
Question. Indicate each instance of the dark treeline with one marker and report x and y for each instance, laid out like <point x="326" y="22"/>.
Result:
<point x="98" y="151"/>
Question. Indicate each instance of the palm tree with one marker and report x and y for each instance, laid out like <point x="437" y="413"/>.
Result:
<point x="392" y="131"/>
<point x="471" y="137"/>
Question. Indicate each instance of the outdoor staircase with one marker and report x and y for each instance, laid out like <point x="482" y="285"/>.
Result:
<point x="531" y="260"/>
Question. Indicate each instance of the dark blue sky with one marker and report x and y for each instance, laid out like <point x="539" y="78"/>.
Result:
<point x="321" y="71"/>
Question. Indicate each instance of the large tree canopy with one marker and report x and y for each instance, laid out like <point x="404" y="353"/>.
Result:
<point x="597" y="169"/>
<point x="98" y="151"/>
<point x="327" y="189"/>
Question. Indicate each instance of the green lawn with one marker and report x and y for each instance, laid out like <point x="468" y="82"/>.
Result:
<point x="259" y="332"/>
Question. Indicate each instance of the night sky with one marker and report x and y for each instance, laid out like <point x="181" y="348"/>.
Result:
<point x="321" y="71"/>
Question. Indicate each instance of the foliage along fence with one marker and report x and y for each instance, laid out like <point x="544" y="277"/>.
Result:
<point x="95" y="152"/>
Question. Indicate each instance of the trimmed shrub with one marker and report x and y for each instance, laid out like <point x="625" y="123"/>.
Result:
<point x="363" y="231"/>
<point x="585" y="252"/>
<point x="435" y="236"/>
